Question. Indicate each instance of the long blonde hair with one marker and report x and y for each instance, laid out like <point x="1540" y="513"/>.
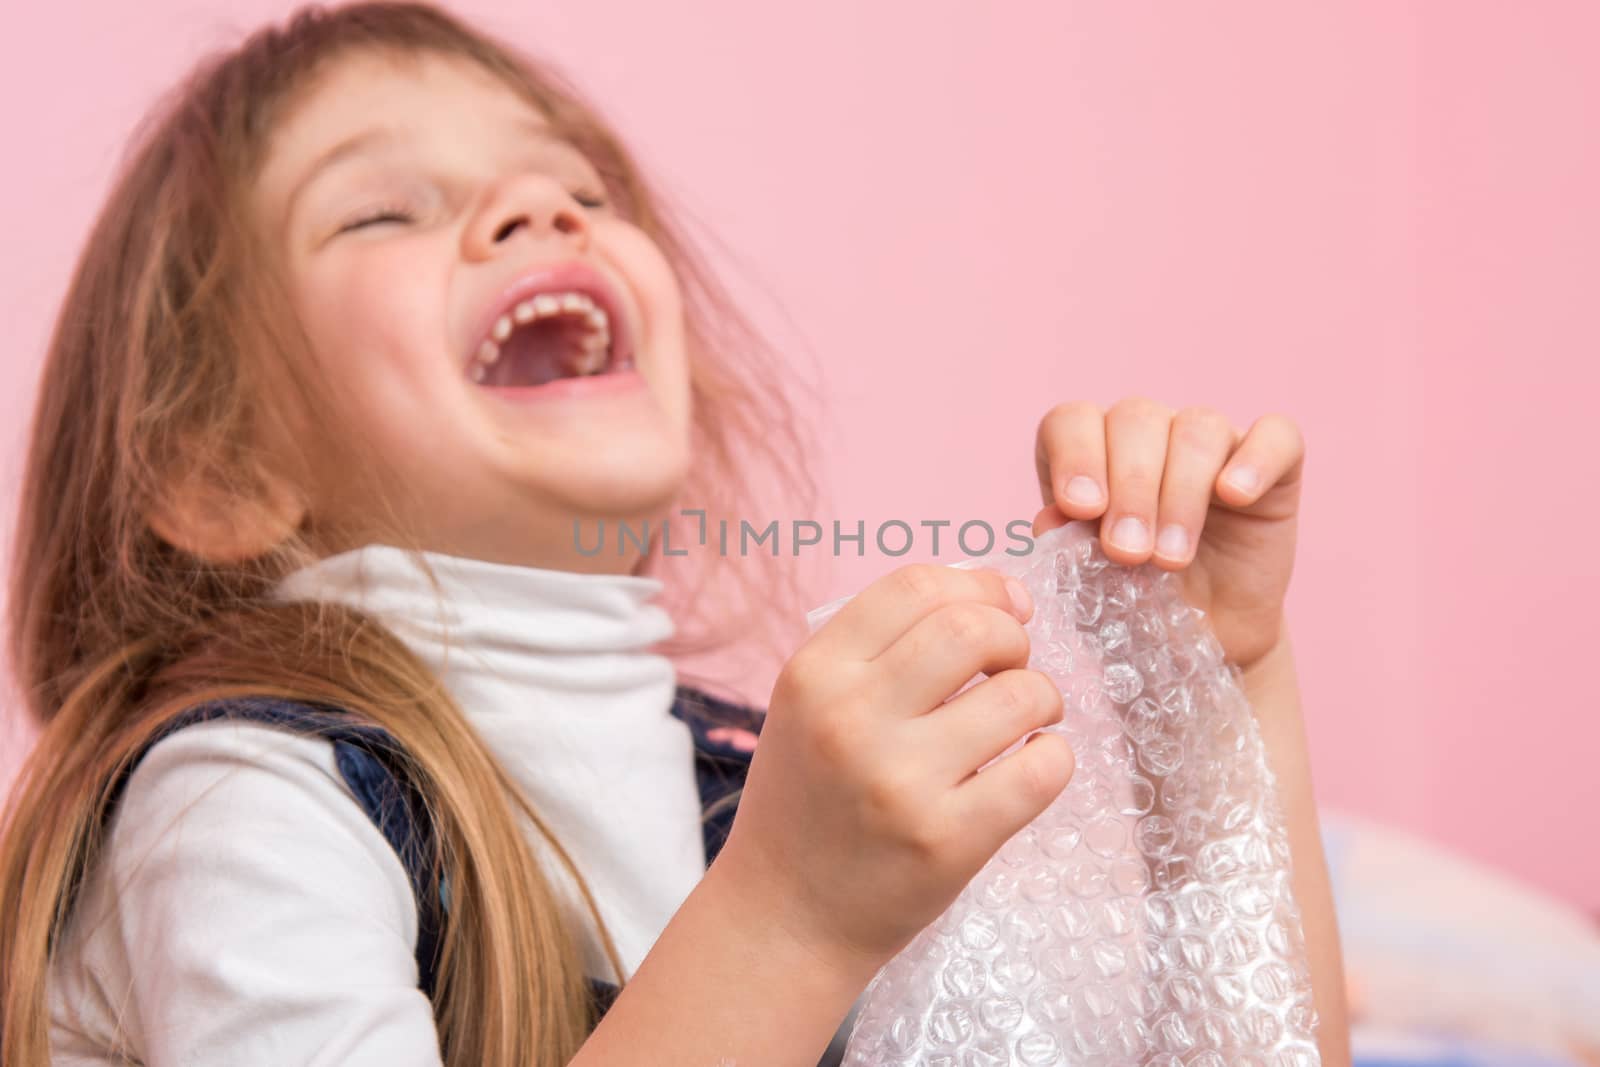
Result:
<point x="171" y="346"/>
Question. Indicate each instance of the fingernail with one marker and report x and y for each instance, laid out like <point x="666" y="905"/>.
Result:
<point x="1083" y="491"/>
<point x="1130" y="534"/>
<point x="1244" y="479"/>
<point x="1021" y="602"/>
<point x="1173" y="542"/>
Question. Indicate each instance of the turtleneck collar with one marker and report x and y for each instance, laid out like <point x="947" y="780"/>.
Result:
<point x="528" y="624"/>
<point x="556" y="672"/>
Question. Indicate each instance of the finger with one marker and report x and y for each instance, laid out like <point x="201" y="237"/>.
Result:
<point x="944" y="651"/>
<point x="1011" y="793"/>
<point x="1198" y="444"/>
<point x="885" y="610"/>
<point x="1049" y="518"/>
<point x="1136" y="452"/>
<point x="979" y="724"/>
<point x="1272" y="452"/>
<point x="1070" y="458"/>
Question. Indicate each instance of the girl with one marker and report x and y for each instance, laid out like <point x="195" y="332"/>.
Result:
<point x="350" y="754"/>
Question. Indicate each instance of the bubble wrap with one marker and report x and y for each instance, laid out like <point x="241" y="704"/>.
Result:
<point x="1145" y="917"/>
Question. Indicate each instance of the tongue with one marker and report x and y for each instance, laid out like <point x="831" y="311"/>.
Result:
<point x="534" y="354"/>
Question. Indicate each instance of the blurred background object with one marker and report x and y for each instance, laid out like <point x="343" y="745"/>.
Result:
<point x="1449" y="961"/>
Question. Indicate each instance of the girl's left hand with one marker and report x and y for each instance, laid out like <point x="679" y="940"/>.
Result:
<point x="1221" y="504"/>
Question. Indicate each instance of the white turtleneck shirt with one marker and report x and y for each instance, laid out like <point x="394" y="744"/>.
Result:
<point x="246" y="911"/>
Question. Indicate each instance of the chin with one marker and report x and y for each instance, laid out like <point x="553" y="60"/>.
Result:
<point x="620" y="484"/>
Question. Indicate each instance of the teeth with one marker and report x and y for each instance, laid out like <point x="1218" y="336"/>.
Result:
<point x="591" y="355"/>
<point x="589" y="360"/>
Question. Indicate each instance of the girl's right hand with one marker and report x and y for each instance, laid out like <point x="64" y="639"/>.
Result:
<point x="862" y="816"/>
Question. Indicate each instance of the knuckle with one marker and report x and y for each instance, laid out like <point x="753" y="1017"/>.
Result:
<point x="1287" y="428"/>
<point x="994" y="586"/>
<point x="1068" y="410"/>
<point x="1143" y="479"/>
<point x="1012" y="695"/>
<point x="927" y="839"/>
<point x="837" y="734"/>
<point x="965" y="623"/>
<point x="1012" y="640"/>
<point x="919" y="583"/>
<point x="887" y="793"/>
<point x="1139" y="408"/>
<point x="1047" y="698"/>
<point x="1041" y="779"/>
<point x="1026" y="696"/>
<point x="796" y="678"/>
<point x="1201" y="426"/>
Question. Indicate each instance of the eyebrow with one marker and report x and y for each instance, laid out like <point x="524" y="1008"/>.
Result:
<point x="373" y="136"/>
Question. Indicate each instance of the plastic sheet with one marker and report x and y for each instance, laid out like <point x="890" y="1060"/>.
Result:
<point x="1146" y="916"/>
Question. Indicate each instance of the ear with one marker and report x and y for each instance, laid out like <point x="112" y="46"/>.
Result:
<point x="222" y="525"/>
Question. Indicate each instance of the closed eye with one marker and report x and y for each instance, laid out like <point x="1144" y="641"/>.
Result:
<point x="383" y="216"/>
<point x="589" y="201"/>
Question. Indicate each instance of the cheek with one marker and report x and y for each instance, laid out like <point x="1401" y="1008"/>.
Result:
<point x="661" y="304"/>
<point x="377" y="330"/>
<point x="666" y="300"/>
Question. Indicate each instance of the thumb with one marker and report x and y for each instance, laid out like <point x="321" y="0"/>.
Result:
<point x="1049" y="518"/>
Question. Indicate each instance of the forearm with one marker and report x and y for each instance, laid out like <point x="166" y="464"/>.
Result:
<point x="726" y="986"/>
<point x="1273" y="689"/>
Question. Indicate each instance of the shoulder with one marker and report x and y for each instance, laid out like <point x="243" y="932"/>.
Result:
<point x="261" y="804"/>
<point x="240" y="882"/>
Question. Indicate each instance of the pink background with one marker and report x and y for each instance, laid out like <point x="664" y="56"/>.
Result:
<point x="1379" y="218"/>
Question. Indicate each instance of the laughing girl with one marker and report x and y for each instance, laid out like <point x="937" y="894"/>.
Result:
<point x="349" y="755"/>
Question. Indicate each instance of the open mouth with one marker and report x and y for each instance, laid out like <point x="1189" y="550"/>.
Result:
<point x="550" y="336"/>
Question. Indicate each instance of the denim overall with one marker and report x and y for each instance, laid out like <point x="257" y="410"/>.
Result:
<point x="372" y="765"/>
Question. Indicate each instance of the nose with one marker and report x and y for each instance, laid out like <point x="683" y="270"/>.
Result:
<point x="526" y="207"/>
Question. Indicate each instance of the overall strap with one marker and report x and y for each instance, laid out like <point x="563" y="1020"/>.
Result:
<point x="373" y="766"/>
<point x="377" y="772"/>
<point x="724" y="739"/>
